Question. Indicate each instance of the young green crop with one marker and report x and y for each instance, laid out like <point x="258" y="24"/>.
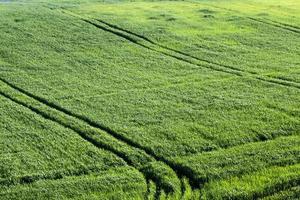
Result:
<point x="254" y="186"/>
<point x="37" y="154"/>
<point x="199" y="98"/>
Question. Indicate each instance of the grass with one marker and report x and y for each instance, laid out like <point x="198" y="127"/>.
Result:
<point x="149" y="100"/>
<point x="38" y="154"/>
<point x="255" y="185"/>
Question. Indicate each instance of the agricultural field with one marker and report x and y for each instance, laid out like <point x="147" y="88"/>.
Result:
<point x="149" y="99"/>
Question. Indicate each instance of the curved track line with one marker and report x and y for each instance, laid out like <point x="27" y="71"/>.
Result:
<point x="102" y="127"/>
<point x="57" y="175"/>
<point x="186" y="57"/>
<point x="183" y="53"/>
<point x="284" y="24"/>
<point x="274" y="24"/>
<point x="90" y="123"/>
<point x="65" y="125"/>
<point x="181" y="171"/>
<point x="31" y="179"/>
<point x="172" y="49"/>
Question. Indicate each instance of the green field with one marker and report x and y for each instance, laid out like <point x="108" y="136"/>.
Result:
<point x="149" y="99"/>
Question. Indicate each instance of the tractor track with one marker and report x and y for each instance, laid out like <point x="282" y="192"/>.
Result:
<point x="181" y="171"/>
<point x="57" y="175"/>
<point x="171" y="49"/>
<point x="284" y="24"/>
<point x="275" y="24"/>
<point x="93" y="125"/>
<point x="179" y="55"/>
<point x="113" y="26"/>
<point x="31" y="179"/>
<point x="178" y="169"/>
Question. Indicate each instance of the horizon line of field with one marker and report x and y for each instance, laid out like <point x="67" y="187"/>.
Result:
<point x="182" y="56"/>
<point x="51" y="118"/>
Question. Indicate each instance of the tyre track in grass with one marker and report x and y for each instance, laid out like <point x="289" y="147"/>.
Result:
<point x="182" y="171"/>
<point x="27" y="179"/>
<point x="295" y="190"/>
<point x="153" y="47"/>
<point x="293" y="182"/>
<point x="284" y="24"/>
<point x="168" y="48"/>
<point x="138" y="89"/>
<point x="50" y="175"/>
<point x="54" y="119"/>
<point x="178" y="168"/>
<point x="59" y="176"/>
<point x="179" y="55"/>
<point x="151" y="190"/>
<point x="135" y="155"/>
<point x="293" y="114"/>
<point x="275" y="24"/>
<point x="56" y="176"/>
<point x="213" y="66"/>
<point x="93" y="124"/>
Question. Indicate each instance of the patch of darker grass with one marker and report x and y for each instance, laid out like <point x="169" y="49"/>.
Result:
<point x="208" y="16"/>
<point x="207" y="11"/>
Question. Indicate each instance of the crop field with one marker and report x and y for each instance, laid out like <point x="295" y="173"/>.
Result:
<point x="149" y="99"/>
